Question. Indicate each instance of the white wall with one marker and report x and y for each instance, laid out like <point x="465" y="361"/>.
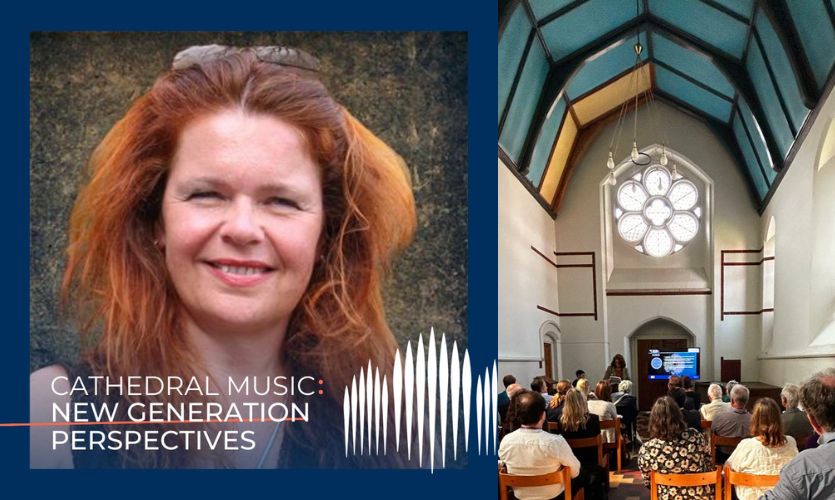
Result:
<point x="803" y="207"/>
<point x="525" y="279"/>
<point x="734" y="225"/>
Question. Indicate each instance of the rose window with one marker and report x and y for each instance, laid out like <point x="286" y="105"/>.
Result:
<point x="657" y="211"/>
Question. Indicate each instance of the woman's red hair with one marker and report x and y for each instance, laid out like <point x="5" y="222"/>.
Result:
<point x="116" y="280"/>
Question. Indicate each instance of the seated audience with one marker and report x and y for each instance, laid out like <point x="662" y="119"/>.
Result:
<point x="530" y="451"/>
<point x="552" y="385"/>
<point x="716" y="405"/>
<point x="692" y="417"/>
<point x="693" y="399"/>
<point x="580" y="374"/>
<point x="539" y="385"/>
<point x="674" y="449"/>
<point x="503" y="400"/>
<point x="794" y="419"/>
<point x="674" y="381"/>
<point x="617" y="368"/>
<point x="730" y="385"/>
<point x="811" y="474"/>
<point x="603" y="407"/>
<point x="576" y="423"/>
<point x="766" y="452"/>
<point x="735" y="422"/>
<point x="555" y="408"/>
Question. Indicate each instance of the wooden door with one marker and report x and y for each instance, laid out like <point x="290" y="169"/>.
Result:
<point x="549" y="360"/>
<point x="650" y="390"/>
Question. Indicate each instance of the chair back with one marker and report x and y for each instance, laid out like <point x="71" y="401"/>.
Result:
<point x="716" y="441"/>
<point x="618" y="444"/>
<point x="685" y="480"/>
<point x="733" y="478"/>
<point x="705" y="424"/>
<point x="590" y="442"/>
<point x="560" y="476"/>
<point x="553" y="426"/>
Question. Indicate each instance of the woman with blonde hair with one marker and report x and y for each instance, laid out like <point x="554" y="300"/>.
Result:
<point x="766" y="452"/>
<point x="556" y="405"/>
<point x="576" y="423"/>
<point x="238" y="223"/>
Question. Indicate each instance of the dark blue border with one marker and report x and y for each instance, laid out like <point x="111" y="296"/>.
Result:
<point x="478" y="20"/>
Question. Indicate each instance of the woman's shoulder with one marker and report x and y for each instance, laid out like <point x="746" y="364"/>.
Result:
<point x="48" y="387"/>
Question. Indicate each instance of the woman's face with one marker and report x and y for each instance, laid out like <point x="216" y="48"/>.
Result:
<point x="241" y="219"/>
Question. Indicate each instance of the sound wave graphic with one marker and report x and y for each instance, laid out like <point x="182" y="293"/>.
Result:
<point x="427" y="389"/>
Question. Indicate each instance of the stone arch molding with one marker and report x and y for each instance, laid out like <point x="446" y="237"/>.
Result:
<point x="550" y="331"/>
<point x="627" y="341"/>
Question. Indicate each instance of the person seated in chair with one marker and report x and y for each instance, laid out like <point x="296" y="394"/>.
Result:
<point x="766" y="452"/>
<point x="693" y="400"/>
<point x="503" y="399"/>
<point x="692" y="417"/>
<point x="554" y="409"/>
<point x="794" y="419"/>
<point x="577" y="423"/>
<point x="674" y="449"/>
<point x="716" y="405"/>
<point x="531" y="451"/>
<point x="735" y="422"/>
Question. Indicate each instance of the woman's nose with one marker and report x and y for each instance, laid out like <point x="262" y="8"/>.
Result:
<point x="241" y="226"/>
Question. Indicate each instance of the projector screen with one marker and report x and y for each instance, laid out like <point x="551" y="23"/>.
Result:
<point x="664" y="364"/>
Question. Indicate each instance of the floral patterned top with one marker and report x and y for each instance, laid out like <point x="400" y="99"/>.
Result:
<point x="689" y="453"/>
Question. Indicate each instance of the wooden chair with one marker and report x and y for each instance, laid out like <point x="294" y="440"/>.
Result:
<point x="685" y="480"/>
<point x="705" y="424"/>
<point x="733" y="478"/>
<point x="553" y="426"/>
<point x="618" y="444"/>
<point x="561" y="476"/>
<point x="716" y="441"/>
<point x="591" y="442"/>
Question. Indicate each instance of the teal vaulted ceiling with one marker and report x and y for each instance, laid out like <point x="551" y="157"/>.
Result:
<point x="753" y="70"/>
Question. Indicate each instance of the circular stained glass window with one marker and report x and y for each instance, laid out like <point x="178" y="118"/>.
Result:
<point x="657" y="211"/>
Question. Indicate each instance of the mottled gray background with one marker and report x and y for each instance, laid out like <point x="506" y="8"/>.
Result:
<point x="408" y="88"/>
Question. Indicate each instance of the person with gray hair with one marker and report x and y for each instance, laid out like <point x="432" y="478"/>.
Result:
<point x="811" y="474"/>
<point x="730" y="385"/>
<point x="795" y="423"/>
<point x="716" y="405"/>
<point x="733" y="422"/>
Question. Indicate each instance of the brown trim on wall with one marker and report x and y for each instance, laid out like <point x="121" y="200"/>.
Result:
<point x="654" y="292"/>
<point x="591" y="265"/>
<point x="724" y="264"/>
<point x="555" y="313"/>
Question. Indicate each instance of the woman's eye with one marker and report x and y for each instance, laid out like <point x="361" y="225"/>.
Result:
<point x="282" y="202"/>
<point x="205" y="195"/>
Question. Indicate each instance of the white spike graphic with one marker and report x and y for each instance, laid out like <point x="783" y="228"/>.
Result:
<point x="361" y="391"/>
<point x="409" y="384"/>
<point x="420" y="390"/>
<point x="495" y="408"/>
<point x="454" y="387"/>
<point x="346" y="415"/>
<point x="443" y="392"/>
<point x="385" y="412"/>
<point x="479" y="396"/>
<point x="466" y="387"/>
<point x="487" y="407"/>
<point x="432" y="386"/>
<point x="369" y="400"/>
<point x="431" y="383"/>
<point x="397" y="387"/>
<point x="354" y="414"/>
<point x="377" y="410"/>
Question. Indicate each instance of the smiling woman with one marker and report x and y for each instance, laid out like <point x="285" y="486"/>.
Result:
<point x="237" y="222"/>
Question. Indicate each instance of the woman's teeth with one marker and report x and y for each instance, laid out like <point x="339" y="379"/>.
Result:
<point x="241" y="270"/>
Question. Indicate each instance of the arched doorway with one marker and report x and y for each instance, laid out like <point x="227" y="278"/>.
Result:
<point x="549" y="334"/>
<point x="657" y="333"/>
